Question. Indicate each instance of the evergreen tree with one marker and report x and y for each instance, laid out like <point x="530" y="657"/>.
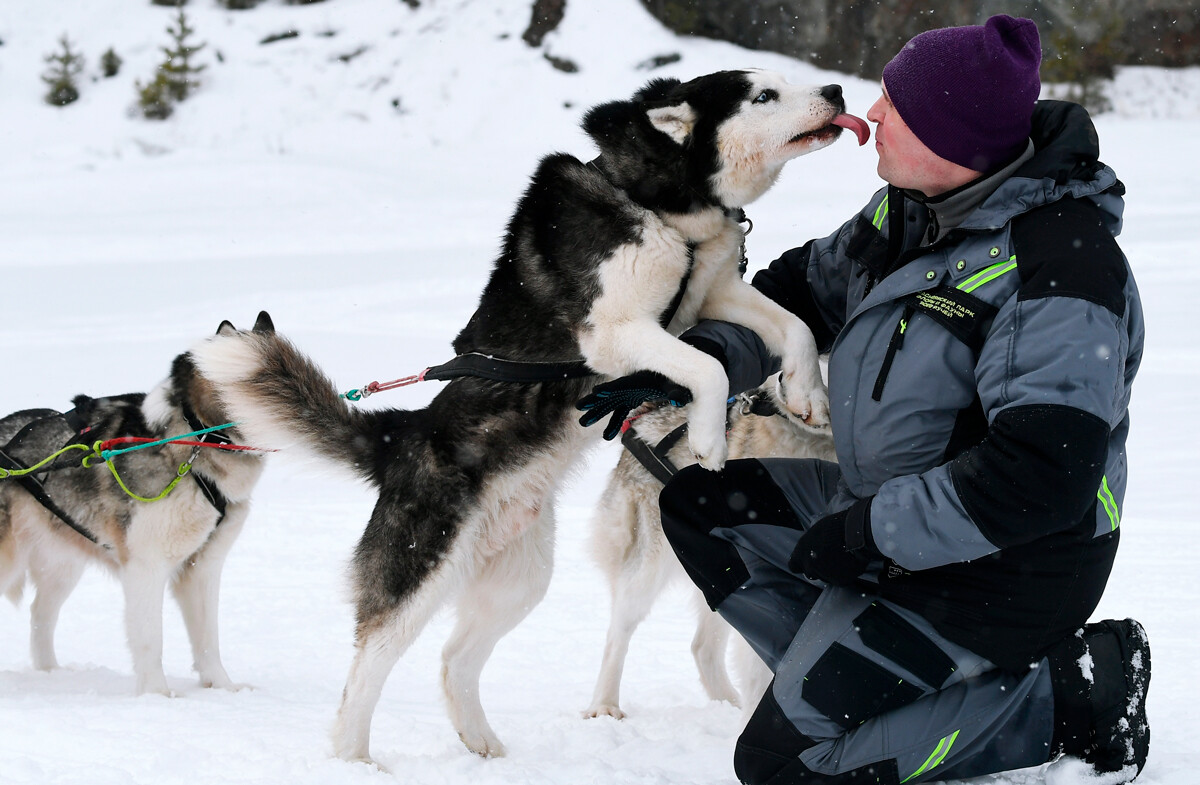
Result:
<point x="65" y="65"/>
<point x="175" y="78"/>
<point x="178" y="69"/>
<point x="110" y="63"/>
<point x="154" y="99"/>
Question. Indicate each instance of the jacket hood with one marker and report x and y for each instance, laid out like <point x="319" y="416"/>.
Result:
<point x="1065" y="163"/>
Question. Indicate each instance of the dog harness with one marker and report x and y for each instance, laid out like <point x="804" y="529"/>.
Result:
<point x="207" y="486"/>
<point x="37" y="490"/>
<point x="654" y="457"/>
<point x="36" y="487"/>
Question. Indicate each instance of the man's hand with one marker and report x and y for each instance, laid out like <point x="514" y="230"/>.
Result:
<point x="621" y="396"/>
<point x="837" y="548"/>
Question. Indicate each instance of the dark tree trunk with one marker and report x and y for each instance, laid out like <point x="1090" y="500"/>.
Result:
<point x="547" y="15"/>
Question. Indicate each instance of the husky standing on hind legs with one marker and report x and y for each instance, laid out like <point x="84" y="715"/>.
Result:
<point x="602" y="265"/>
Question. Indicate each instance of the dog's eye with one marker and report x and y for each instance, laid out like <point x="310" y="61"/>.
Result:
<point x="766" y="96"/>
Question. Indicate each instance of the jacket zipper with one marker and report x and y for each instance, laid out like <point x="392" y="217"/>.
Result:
<point x="894" y="345"/>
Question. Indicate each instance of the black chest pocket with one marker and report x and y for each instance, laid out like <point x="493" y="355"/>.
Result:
<point x="963" y="315"/>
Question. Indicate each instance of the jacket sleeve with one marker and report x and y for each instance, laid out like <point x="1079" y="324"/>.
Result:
<point x="1053" y="380"/>
<point x="811" y="281"/>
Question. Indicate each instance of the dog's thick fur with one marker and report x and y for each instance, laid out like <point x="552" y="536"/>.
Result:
<point x="180" y="540"/>
<point x="628" y="544"/>
<point x="592" y="259"/>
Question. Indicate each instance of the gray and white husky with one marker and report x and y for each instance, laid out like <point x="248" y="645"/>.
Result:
<point x="594" y="256"/>
<point x="628" y="544"/>
<point x="181" y="540"/>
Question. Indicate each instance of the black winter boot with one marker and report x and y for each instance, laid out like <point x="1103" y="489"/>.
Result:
<point x="1100" y="677"/>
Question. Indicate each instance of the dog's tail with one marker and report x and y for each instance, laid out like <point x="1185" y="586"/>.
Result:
<point x="280" y="398"/>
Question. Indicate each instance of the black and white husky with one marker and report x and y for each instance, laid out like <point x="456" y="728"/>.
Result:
<point x="594" y="256"/>
<point x="53" y="523"/>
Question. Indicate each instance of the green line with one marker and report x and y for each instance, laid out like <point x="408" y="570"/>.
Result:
<point x="989" y="274"/>
<point x="880" y="213"/>
<point x="936" y="757"/>
<point x="1110" y="504"/>
<point x="945" y="752"/>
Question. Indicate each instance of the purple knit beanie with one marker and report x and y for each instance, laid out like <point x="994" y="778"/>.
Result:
<point x="968" y="92"/>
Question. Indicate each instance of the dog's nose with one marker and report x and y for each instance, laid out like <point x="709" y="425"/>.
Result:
<point x="832" y="93"/>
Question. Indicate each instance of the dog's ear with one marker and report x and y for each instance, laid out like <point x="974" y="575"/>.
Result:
<point x="658" y="90"/>
<point x="226" y="328"/>
<point x="674" y="120"/>
<point x="264" y="324"/>
<point x="667" y="108"/>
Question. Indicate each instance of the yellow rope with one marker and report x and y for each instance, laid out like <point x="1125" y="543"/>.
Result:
<point x="5" y="473"/>
<point x="95" y="453"/>
<point x="181" y="472"/>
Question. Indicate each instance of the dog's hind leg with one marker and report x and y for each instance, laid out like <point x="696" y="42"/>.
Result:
<point x="708" y="650"/>
<point x="506" y="588"/>
<point x="380" y="639"/>
<point x="197" y="590"/>
<point x="54" y="580"/>
<point x="637" y="579"/>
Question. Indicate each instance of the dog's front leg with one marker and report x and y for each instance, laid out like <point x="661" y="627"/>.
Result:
<point x="642" y="344"/>
<point x="785" y="335"/>
<point x="144" y="583"/>
<point x="197" y="590"/>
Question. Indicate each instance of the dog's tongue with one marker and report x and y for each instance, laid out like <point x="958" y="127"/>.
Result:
<point x="855" y="124"/>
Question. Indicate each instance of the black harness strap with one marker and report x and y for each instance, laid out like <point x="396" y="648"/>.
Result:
<point x="669" y="314"/>
<point x="207" y="486"/>
<point x="654" y="457"/>
<point x="38" y="491"/>
<point x="500" y="370"/>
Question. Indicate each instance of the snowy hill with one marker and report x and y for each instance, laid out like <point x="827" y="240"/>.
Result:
<point x="354" y="180"/>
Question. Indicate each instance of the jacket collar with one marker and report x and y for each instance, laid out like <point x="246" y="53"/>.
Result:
<point x="948" y="211"/>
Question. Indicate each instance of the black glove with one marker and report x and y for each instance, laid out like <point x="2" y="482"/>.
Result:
<point x="621" y="396"/>
<point x="837" y="548"/>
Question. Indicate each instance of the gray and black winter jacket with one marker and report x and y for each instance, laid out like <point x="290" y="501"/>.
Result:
<point x="979" y="380"/>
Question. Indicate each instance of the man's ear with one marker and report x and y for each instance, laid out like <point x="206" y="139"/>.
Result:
<point x="676" y="120"/>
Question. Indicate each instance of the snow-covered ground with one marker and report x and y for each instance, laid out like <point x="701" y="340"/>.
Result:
<point x="361" y="203"/>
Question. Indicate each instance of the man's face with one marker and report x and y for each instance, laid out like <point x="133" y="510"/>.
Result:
<point x="905" y="161"/>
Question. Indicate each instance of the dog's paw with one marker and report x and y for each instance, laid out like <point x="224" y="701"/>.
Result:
<point x="709" y="450"/>
<point x="485" y="745"/>
<point x="154" y="684"/>
<point x="807" y="403"/>
<point x="604" y="710"/>
<point x="366" y="760"/>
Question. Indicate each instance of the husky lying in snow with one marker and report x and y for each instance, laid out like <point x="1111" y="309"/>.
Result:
<point x="629" y="546"/>
<point x="593" y="258"/>
<point x="181" y="540"/>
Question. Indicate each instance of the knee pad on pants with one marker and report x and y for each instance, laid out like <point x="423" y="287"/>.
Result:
<point x="768" y="753"/>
